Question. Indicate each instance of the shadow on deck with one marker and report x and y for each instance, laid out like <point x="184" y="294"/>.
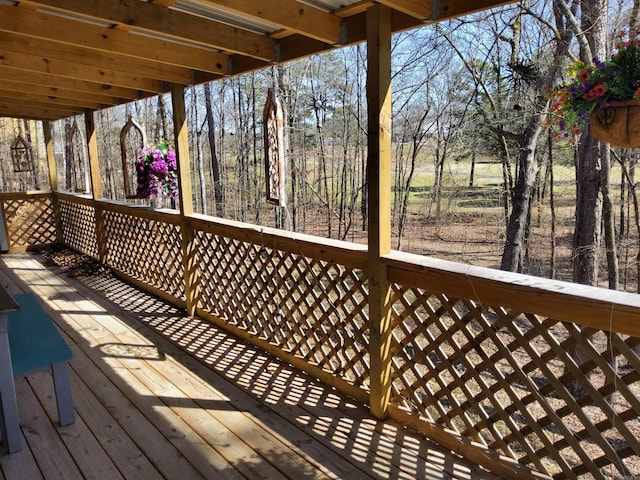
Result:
<point x="161" y="395"/>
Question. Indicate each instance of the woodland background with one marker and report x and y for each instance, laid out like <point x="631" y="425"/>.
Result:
<point x="476" y="176"/>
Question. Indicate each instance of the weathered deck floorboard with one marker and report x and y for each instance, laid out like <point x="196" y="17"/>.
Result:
<point x="158" y="395"/>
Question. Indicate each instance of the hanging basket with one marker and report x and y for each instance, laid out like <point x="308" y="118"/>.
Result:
<point x="618" y="125"/>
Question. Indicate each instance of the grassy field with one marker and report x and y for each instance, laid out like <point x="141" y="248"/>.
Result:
<point x="471" y="226"/>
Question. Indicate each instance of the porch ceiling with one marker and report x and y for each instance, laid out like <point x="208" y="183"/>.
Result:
<point x="61" y="57"/>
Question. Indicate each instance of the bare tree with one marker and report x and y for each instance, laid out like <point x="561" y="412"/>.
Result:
<point x="199" y="127"/>
<point x="518" y="219"/>
<point x="592" y="155"/>
<point x="418" y="135"/>
<point x="319" y="106"/>
<point x="215" y="163"/>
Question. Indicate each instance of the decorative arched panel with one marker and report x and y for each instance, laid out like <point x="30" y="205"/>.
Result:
<point x="80" y="180"/>
<point x="131" y="142"/>
<point x="273" y="125"/>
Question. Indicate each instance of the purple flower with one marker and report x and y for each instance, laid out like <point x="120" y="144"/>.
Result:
<point x="600" y="65"/>
<point x="159" y="166"/>
<point x="156" y="172"/>
<point x="585" y="87"/>
<point x="171" y="159"/>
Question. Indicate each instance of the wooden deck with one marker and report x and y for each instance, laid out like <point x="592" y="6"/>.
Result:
<point x="158" y="395"/>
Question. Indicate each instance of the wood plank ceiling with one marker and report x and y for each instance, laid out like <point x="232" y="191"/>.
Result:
<point x="62" y="57"/>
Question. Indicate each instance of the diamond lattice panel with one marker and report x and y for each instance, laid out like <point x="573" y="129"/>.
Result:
<point x="314" y="309"/>
<point x="560" y="399"/>
<point x="148" y="250"/>
<point x="29" y="221"/>
<point x="79" y="227"/>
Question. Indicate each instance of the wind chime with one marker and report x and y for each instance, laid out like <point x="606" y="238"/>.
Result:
<point x="273" y="127"/>
<point x="21" y="154"/>
<point x="129" y="148"/>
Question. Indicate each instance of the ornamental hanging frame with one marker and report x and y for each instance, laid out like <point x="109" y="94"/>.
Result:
<point x="129" y="164"/>
<point x="80" y="176"/>
<point x="21" y="155"/>
<point x="274" y="154"/>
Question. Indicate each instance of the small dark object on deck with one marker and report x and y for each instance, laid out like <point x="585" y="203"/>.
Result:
<point x="77" y="264"/>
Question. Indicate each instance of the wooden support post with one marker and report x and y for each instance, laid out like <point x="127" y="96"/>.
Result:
<point x="379" y="198"/>
<point x="53" y="177"/>
<point x="92" y="146"/>
<point x="94" y="170"/>
<point x="51" y="159"/>
<point x="180" y="129"/>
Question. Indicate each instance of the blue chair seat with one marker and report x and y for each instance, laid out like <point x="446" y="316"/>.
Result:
<point x="34" y="344"/>
<point x="33" y="338"/>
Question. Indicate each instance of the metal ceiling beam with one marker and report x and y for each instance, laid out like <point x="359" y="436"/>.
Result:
<point x="287" y="14"/>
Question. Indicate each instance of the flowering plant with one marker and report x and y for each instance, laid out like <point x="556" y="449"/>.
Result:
<point x="157" y="174"/>
<point x="599" y="85"/>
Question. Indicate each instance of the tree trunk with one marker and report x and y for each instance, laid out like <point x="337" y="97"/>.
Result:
<point x="323" y="184"/>
<point x="633" y="198"/>
<point x="34" y="172"/>
<point x="258" y="179"/>
<point x="635" y="15"/>
<point x="608" y="215"/>
<point x="588" y="212"/>
<point x="405" y="194"/>
<point x="624" y="200"/>
<point x="6" y="177"/>
<point x="199" y="156"/>
<point x="398" y="178"/>
<point x="241" y="151"/>
<point x="439" y="176"/>
<point x="473" y="167"/>
<point x="589" y="177"/>
<point x="293" y="161"/>
<point x="552" y="207"/>
<point x="162" y="132"/>
<point x="517" y="224"/>
<point x="506" y="178"/>
<point x="215" y="164"/>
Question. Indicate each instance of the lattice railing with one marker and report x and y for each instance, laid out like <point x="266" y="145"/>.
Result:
<point x="146" y="246"/>
<point x="78" y="224"/>
<point x="29" y="219"/>
<point x="530" y="369"/>
<point x="292" y="297"/>
<point x="561" y="399"/>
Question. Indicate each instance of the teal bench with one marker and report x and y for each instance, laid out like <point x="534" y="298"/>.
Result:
<point x="36" y="345"/>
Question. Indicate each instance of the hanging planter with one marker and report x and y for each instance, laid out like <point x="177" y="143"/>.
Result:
<point x="604" y="95"/>
<point x="618" y="125"/>
<point x="157" y="172"/>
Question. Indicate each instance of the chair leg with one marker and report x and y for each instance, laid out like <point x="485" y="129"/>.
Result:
<point x="11" y="428"/>
<point x="62" y="386"/>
